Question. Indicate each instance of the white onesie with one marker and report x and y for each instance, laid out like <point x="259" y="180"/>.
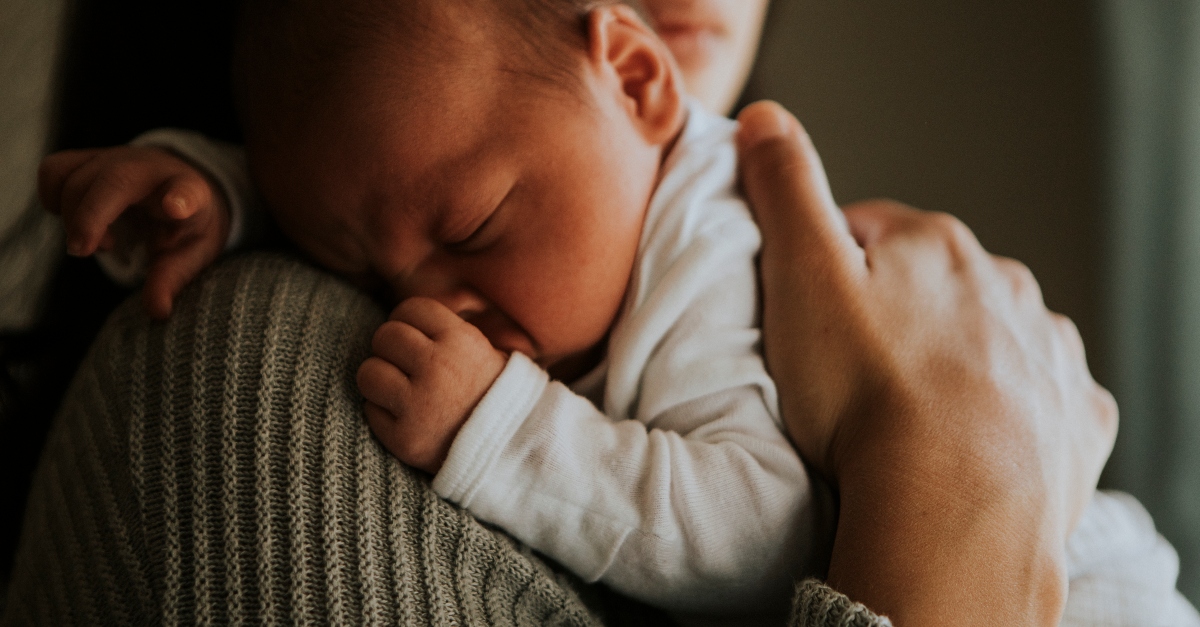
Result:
<point x="665" y="472"/>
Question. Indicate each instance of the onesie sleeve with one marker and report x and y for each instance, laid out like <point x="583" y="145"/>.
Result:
<point x="225" y="165"/>
<point x="696" y="502"/>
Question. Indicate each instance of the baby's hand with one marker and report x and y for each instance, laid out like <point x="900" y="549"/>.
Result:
<point x="182" y="220"/>
<point x="430" y="370"/>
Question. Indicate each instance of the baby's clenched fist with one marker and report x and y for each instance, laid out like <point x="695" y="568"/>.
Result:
<point x="429" y="370"/>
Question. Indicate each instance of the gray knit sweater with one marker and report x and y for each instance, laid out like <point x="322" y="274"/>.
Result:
<point x="216" y="469"/>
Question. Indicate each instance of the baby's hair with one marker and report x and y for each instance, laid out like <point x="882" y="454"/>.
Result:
<point x="294" y="49"/>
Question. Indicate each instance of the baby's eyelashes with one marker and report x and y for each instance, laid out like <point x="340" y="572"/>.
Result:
<point x="481" y="230"/>
<point x="475" y="241"/>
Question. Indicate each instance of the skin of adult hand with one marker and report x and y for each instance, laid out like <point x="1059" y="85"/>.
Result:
<point x="926" y="379"/>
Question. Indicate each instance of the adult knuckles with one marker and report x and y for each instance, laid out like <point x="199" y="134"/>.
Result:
<point x="1108" y="413"/>
<point x="1024" y="284"/>
<point x="954" y="232"/>
<point x="880" y="207"/>
<point x="1069" y="332"/>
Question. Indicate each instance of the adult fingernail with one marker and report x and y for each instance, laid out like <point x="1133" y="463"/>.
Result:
<point x="763" y="122"/>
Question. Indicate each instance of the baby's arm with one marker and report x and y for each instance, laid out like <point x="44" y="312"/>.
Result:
<point x="709" y="512"/>
<point x="162" y="208"/>
<point x="699" y="503"/>
<point x="718" y="518"/>
<point x="704" y="512"/>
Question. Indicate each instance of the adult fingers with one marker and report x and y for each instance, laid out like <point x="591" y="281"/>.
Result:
<point x="53" y="173"/>
<point x="786" y="185"/>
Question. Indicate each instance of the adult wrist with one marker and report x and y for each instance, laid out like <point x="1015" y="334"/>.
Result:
<point x="941" y="536"/>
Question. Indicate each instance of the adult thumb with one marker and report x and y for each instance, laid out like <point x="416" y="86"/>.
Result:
<point x="785" y="182"/>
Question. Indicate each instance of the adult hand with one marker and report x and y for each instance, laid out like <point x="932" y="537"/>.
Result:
<point x="954" y="413"/>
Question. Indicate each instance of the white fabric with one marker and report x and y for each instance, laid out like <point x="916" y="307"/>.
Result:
<point x="684" y="492"/>
<point x="225" y="164"/>
<point x="1122" y="571"/>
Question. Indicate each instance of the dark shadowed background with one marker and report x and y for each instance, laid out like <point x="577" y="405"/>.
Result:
<point x="988" y="111"/>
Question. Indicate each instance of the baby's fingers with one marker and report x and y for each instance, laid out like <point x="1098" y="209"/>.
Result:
<point x="382" y="423"/>
<point x="97" y="193"/>
<point x="428" y="316"/>
<point x="403" y="346"/>
<point x="383" y="384"/>
<point x="182" y="196"/>
<point x="403" y="438"/>
<point x="171" y="271"/>
<point x="53" y="174"/>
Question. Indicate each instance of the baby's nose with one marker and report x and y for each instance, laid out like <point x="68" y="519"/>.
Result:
<point x="463" y="301"/>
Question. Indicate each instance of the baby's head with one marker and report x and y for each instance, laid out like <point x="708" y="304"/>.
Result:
<point x="495" y="155"/>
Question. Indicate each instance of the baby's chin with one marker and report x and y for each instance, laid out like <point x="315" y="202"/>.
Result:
<point x="570" y="368"/>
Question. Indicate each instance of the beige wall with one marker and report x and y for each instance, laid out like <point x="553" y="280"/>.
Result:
<point x="985" y="110"/>
<point x="29" y="34"/>
<point x="30" y="240"/>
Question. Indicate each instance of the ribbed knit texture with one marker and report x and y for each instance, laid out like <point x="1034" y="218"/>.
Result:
<point x="216" y="469"/>
<point x="818" y="605"/>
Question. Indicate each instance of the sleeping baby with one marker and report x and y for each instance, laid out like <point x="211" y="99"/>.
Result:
<point x="574" y="355"/>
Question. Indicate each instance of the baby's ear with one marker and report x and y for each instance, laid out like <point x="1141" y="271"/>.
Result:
<point x="642" y="69"/>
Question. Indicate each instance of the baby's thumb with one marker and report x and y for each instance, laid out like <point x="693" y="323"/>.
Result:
<point x="168" y="274"/>
<point x="182" y="196"/>
<point x="789" y="193"/>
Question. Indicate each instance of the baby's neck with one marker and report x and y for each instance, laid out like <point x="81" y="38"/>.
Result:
<point x="572" y="368"/>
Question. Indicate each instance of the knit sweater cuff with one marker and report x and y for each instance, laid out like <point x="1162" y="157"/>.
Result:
<point x="489" y="429"/>
<point x="818" y="605"/>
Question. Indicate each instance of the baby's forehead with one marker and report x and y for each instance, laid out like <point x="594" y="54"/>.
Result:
<point x="298" y="48"/>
